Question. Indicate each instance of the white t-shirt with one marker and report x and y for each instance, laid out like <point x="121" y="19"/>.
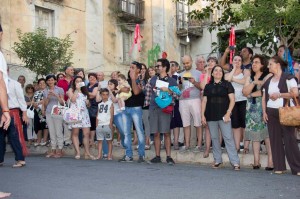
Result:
<point x="104" y="112"/>
<point x="273" y="88"/>
<point x="3" y="69"/>
<point x="238" y="89"/>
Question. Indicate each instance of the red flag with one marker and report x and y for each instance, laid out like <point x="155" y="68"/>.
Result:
<point x="137" y="38"/>
<point x="231" y="43"/>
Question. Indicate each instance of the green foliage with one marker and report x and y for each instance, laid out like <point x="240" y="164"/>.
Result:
<point x="42" y="54"/>
<point x="268" y="18"/>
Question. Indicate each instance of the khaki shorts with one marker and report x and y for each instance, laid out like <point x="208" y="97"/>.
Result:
<point x="189" y="109"/>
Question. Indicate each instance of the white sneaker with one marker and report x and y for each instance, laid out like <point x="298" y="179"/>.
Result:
<point x="184" y="149"/>
<point x="43" y="143"/>
<point x="197" y="149"/>
<point x="37" y="144"/>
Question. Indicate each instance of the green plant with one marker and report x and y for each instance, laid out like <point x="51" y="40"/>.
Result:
<point x="42" y="54"/>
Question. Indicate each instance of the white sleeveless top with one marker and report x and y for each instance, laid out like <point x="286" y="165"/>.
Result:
<point x="238" y="89"/>
<point x="104" y="112"/>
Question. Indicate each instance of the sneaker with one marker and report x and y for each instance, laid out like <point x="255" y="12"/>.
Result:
<point x="184" y="149"/>
<point x="105" y="156"/>
<point x="176" y="147"/>
<point x="126" y="159"/>
<point x="241" y="147"/>
<point x="67" y="145"/>
<point x="170" y="161"/>
<point x="37" y="144"/>
<point x="155" y="160"/>
<point x="141" y="159"/>
<point x="197" y="149"/>
<point x="43" y="143"/>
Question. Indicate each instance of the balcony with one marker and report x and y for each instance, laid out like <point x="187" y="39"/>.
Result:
<point x="188" y="26"/>
<point x="131" y="11"/>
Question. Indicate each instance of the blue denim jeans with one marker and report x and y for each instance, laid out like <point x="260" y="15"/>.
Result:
<point x="118" y="121"/>
<point x="133" y="114"/>
<point x="13" y="137"/>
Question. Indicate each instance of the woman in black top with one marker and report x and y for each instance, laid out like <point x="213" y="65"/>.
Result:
<point x="217" y="104"/>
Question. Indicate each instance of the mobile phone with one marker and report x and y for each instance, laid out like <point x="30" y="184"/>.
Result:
<point x="231" y="47"/>
<point x="81" y="84"/>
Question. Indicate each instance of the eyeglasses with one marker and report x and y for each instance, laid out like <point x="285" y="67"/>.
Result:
<point x="157" y="66"/>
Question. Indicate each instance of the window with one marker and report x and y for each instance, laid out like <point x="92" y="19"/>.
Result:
<point x="128" y="6"/>
<point x="182" y="50"/>
<point x="182" y="15"/>
<point x="127" y="42"/>
<point x="44" y="18"/>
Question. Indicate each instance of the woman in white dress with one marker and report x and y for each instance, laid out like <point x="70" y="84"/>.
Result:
<point x="78" y="95"/>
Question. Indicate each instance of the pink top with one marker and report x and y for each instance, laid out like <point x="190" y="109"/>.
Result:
<point x="202" y="76"/>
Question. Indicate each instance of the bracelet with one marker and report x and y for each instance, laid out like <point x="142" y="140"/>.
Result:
<point x="5" y="111"/>
<point x="279" y="95"/>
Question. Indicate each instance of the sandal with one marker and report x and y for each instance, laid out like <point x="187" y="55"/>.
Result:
<point x="206" y="155"/>
<point x="269" y="168"/>
<point x="50" y="155"/>
<point x="246" y="151"/>
<point x="77" y="157"/>
<point x="4" y="195"/>
<point x="147" y="147"/>
<point x="256" y="166"/>
<point x="236" y="167"/>
<point x="216" y="165"/>
<point x="19" y="164"/>
<point x="1" y="164"/>
<point x="89" y="157"/>
<point x="279" y="172"/>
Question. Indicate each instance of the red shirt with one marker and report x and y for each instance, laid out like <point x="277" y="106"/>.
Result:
<point x="64" y="84"/>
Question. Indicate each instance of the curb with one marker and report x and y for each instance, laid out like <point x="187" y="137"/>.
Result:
<point x="187" y="157"/>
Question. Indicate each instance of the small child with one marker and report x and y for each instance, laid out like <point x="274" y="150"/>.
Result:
<point x="104" y="123"/>
<point x="122" y="96"/>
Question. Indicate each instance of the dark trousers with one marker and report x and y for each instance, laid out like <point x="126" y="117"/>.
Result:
<point x="283" y="143"/>
<point x="13" y="138"/>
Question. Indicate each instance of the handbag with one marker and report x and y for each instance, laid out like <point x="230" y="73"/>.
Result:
<point x="58" y="110"/>
<point x="72" y="115"/>
<point x="168" y="110"/>
<point x="290" y="115"/>
<point x="30" y="112"/>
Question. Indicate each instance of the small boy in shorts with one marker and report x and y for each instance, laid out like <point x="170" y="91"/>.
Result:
<point x="104" y="123"/>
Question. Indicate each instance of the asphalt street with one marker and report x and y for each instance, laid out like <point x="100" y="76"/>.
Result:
<point x="66" y="178"/>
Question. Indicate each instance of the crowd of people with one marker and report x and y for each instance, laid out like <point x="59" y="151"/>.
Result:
<point x="229" y="105"/>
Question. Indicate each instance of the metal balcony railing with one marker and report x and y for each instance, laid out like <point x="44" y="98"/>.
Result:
<point x="133" y="8"/>
<point x="185" y="24"/>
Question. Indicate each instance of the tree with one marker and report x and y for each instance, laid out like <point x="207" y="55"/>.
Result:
<point x="267" y="18"/>
<point x="42" y="54"/>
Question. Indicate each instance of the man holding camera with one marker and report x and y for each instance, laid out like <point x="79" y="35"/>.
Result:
<point x="189" y="102"/>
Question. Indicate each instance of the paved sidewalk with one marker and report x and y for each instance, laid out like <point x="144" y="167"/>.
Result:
<point x="190" y="157"/>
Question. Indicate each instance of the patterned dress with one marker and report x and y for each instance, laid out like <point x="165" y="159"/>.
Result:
<point x="256" y="129"/>
<point x="80" y="103"/>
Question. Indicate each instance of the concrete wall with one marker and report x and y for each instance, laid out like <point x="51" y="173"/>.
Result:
<point x="96" y="32"/>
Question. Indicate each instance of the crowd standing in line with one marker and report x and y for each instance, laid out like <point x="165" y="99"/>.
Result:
<point x="233" y="104"/>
